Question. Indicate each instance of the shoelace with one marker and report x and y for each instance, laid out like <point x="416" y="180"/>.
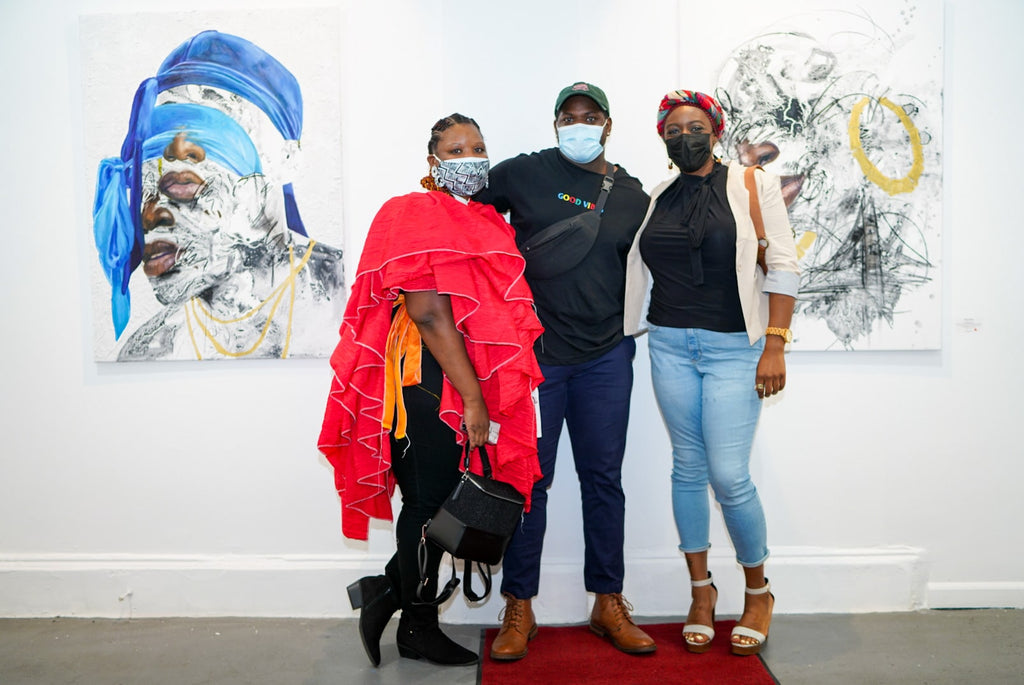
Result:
<point x="622" y="608"/>
<point x="512" y="614"/>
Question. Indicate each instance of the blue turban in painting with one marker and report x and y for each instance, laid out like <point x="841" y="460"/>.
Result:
<point x="234" y="64"/>
<point x="208" y="58"/>
<point x="117" y="225"/>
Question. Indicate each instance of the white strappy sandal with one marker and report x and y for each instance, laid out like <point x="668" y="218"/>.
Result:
<point x="694" y="646"/>
<point x="743" y="631"/>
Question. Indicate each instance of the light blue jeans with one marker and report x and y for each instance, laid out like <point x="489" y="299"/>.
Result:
<point x="704" y="385"/>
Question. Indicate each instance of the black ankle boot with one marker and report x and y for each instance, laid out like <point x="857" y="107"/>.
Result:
<point x="377" y="598"/>
<point x="420" y="637"/>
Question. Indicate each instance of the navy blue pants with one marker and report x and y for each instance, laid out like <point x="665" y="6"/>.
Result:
<point x="592" y="399"/>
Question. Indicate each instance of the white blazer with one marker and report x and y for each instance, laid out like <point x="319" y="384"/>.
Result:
<point x="783" y="273"/>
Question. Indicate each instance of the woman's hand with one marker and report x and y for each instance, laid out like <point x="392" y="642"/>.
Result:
<point x="771" y="369"/>
<point x="478" y="422"/>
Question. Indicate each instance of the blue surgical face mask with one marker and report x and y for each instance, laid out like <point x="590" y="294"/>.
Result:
<point x="464" y="176"/>
<point x="580" y="142"/>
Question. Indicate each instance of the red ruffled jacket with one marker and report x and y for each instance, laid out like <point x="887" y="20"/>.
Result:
<point x="430" y="241"/>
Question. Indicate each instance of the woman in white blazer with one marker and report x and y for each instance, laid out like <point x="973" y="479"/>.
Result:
<point x="718" y="324"/>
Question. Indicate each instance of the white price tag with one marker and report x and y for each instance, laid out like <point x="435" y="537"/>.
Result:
<point x="536" y="408"/>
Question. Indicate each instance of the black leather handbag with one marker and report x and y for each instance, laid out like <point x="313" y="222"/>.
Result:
<point x="474" y="524"/>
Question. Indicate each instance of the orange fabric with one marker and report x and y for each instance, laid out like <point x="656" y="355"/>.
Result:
<point x="404" y="342"/>
<point x="418" y="242"/>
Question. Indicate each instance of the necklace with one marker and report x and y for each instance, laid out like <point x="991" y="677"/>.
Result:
<point x="197" y="310"/>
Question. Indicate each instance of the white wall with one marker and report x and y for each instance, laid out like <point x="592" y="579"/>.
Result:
<point x="891" y="480"/>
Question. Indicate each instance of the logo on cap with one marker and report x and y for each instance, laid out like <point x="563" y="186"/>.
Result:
<point x="581" y="86"/>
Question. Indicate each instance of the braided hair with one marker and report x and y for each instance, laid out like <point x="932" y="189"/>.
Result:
<point x="436" y="130"/>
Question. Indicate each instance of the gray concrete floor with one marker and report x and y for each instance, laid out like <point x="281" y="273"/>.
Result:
<point x="933" y="648"/>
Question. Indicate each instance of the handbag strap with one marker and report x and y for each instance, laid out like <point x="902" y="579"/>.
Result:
<point x="453" y="583"/>
<point x="755" y="215"/>
<point x="484" y="460"/>
<point x="467" y="577"/>
<point x="446" y="591"/>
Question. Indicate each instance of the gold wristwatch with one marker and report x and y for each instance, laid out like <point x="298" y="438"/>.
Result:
<point x="784" y="333"/>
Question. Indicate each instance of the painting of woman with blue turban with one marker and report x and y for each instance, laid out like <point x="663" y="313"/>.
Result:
<point x="200" y="204"/>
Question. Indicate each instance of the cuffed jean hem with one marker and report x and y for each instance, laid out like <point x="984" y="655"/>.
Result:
<point x="741" y="563"/>
<point x="756" y="564"/>
<point x="694" y="551"/>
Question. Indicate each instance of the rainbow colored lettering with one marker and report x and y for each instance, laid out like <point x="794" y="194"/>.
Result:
<point x="576" y="201"/>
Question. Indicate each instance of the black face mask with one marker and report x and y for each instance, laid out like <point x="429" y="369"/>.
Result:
<point x="689" y="151"/>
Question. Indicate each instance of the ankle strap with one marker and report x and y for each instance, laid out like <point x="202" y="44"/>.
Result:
<point x="759" y="590"/>
<point x="701" y="583"/>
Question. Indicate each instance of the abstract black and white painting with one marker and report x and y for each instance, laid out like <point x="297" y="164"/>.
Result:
<point x="845" y="105"/>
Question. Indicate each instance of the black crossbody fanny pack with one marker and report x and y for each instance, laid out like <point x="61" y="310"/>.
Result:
<point x="561" y="246"/>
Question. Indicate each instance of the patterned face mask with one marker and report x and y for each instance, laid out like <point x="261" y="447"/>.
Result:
<point x="464" y="176"/>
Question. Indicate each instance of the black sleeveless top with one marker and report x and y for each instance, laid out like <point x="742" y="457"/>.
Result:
<point x="689" y="246"/>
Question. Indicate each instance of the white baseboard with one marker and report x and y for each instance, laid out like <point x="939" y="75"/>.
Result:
<point x="804" y="581"/>
<point x="134" y="586"/>
<point x="976" y="595"/>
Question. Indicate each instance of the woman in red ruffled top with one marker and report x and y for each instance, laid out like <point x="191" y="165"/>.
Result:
<point x="436" y="345"/>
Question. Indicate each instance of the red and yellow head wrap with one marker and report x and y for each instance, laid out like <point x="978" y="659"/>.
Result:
<point x="692" y="98"/>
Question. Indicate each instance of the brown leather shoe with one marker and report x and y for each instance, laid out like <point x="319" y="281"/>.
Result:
<point x="610" y="618"/>
<point x="518" y="626"/>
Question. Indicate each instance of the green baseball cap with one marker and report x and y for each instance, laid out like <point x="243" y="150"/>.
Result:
<point x="582" y="88"/>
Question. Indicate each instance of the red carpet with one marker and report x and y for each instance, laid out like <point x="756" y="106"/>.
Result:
<point x="573" y="654"/>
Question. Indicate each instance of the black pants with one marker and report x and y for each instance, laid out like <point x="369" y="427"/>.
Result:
<point x="426" y="466"/>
